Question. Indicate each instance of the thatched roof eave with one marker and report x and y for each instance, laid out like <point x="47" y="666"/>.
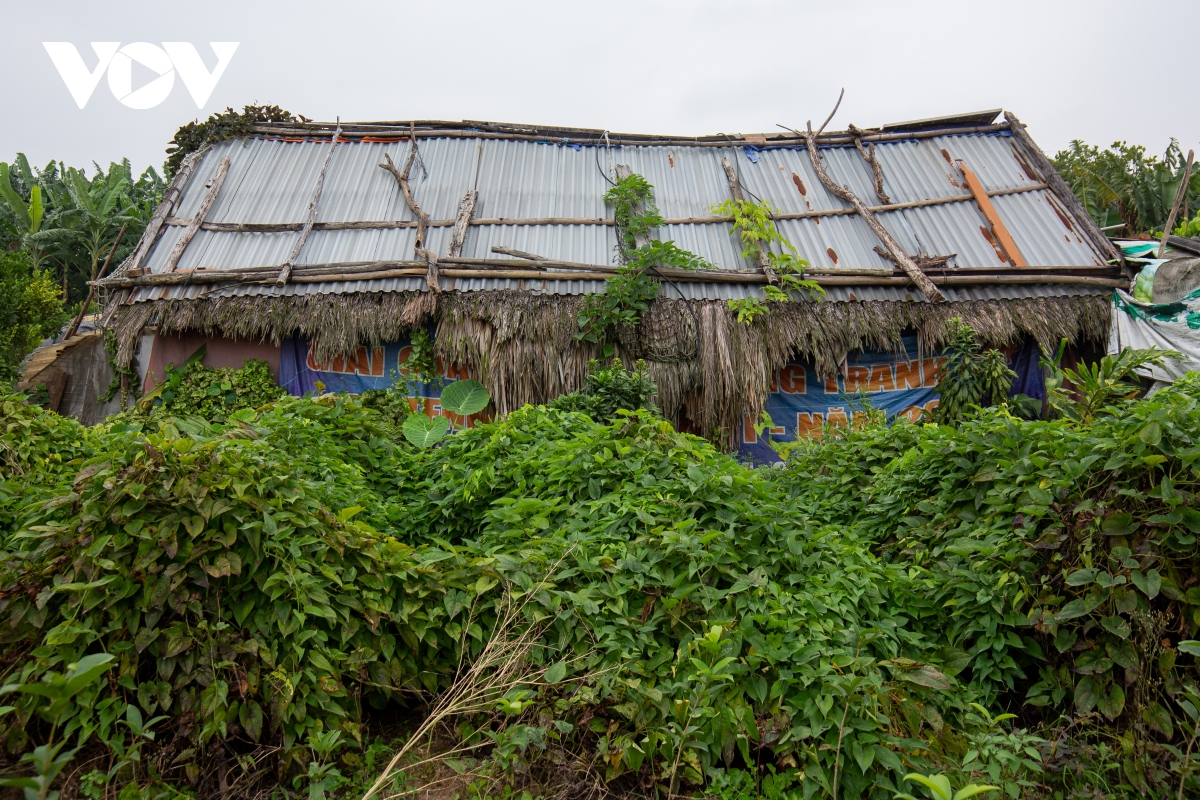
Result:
<point x="710" y="368"/>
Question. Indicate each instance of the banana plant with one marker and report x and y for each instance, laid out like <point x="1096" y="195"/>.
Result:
<point x="28" y="215"/>
<point x="97" y="202"/>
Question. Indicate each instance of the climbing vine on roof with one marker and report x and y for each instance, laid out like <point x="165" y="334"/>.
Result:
<point x="629" y="292"/>
<point x="754" y="223"/>
<point x="228" y="124"/>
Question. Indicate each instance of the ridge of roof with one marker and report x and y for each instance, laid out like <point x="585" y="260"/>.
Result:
<point x="975" y="122"/>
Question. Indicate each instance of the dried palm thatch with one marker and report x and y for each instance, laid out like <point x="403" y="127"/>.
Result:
<point x="710" y="369"/>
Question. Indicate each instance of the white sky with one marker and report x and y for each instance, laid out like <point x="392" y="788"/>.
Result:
<point x="1090" y="70"/>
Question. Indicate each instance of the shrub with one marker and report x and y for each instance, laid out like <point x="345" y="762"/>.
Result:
<point x="30" y="310"/>
<point x="609" y="389"/>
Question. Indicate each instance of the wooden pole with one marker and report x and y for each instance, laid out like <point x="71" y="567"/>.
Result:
<point x="902" y="259"/>
<point x="1084" y="223"/>
<point x="868" y="153"/>
<point x="1179" y="195"/>
<point x="459" y="235"/>
<point x="285" y="227"/>
<point x="206" y="204"/>
<point x="589" y="137"/>
<point x="166" y="208"/>
<point x="548" y="270"/>
<point x="285" y="271"/>
<point x="623" y="171"/>
<point x="994" y="222"/>
<point x="735" y="191"/>
<point x="92" y="287"/>
<point x="431" y="279"/>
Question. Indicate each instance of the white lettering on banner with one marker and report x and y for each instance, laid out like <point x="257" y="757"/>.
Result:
<point x="164" y="61"/>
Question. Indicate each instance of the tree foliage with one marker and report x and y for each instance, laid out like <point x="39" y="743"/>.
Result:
<point x="1122" y="184"/>
<point x="30" y="311"/>
<point x="227" y="124"/>
<point x="69" y="222"/>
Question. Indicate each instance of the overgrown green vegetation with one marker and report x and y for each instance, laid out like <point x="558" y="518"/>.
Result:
<point x="1121" y="184"/>
<point x="663" y="618"/>
<point x="194" y="390"/>
<point x="754" y="224"/>
<point x="227" y="124"/>
<point x="68" y="222"/>
<point x="627" y="294"/>
<point x="30" y="310"/>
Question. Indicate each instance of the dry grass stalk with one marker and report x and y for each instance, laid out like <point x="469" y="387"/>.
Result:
<point x="501" y="666"/>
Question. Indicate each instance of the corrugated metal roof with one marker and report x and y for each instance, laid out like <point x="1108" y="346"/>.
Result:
<point x="272" y="181"/>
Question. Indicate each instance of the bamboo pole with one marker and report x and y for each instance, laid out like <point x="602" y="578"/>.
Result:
<point x="285" y="271"/>
<point x="206" y="204"/>
<point x="285" y="227"/>
<point x="166" y="208"/>
<point x="1179" y="195"/>
<point x="401" y="131"/>
<point x="484" y="268"/>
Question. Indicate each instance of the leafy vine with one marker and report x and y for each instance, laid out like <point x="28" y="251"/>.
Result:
<point x="628" y="293"/>
<point x="753" y="222"/>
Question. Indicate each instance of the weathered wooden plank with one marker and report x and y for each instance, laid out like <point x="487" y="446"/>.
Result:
<point x="999" y="230"/>
<point x="285" y="270"/>
<point x="210" y="197"/>
<point x="459" y="235"/>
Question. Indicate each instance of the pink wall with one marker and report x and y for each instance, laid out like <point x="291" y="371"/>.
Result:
<point x="221" y="353"/>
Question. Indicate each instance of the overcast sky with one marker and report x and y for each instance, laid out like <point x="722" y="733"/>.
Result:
<point x="1089" y="70"/>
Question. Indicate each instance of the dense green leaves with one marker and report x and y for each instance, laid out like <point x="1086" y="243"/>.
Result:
<point x="288" y="570"/>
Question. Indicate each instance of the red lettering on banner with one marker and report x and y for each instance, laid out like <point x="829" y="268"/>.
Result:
<point x="837" y="417"/>
<point x="748" y="435"/>
<point x="831" y="386"/>
<point x="858" y="379"/>
<point x="933" y="367"/>
<point x="881" y="379"/>
<point x="360" y="362"/>
<point x="908" y="375"/>
<point x="455" y="372"/>
<point x="809" y="424"/>
<point x="793" y="379"/>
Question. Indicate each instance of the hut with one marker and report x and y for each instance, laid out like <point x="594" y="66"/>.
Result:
<point x="322" y="247"/>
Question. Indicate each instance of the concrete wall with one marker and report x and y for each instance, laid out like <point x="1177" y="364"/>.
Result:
<point x="86" y="376"/>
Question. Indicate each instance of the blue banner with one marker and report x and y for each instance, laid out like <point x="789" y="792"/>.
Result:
<point x="367" y="368"/>
<point x="801" y="404"/>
